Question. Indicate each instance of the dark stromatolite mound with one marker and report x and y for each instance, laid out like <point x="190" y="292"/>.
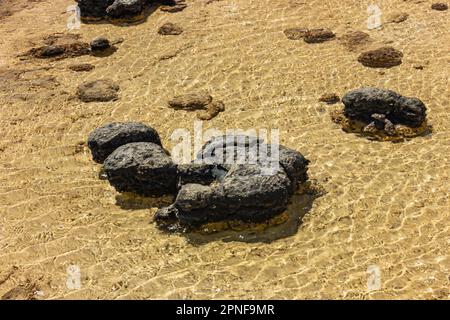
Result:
<point x="98" y="91"/>
<point x="222" y="189"/>
<point x="385" y="57"/>
<point x="173" y="6"/>
<point x="104" y="140"/>
<point x="382" y="113"/>
<point x="143" y="168"/>
<point x="126" y="10"/>
<point x="99" y="44"/>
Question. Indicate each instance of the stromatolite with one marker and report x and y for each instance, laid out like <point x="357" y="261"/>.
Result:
<point x="104" y="140"/>
<point x="382" y="113"/>
<point x="221" y="188"/>
<point x="143" y="168"/>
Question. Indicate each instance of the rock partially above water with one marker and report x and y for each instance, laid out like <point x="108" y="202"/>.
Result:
<point x="104" y="140"/>
<point x="98" y="90"/>
<point x="173" y="6"/>
<point x="127" y="10"/>
<point x="143" y="168"/>
<point x="385" y="57"/>
<point x="218" y="191"/>
<point x="382" y="113"/>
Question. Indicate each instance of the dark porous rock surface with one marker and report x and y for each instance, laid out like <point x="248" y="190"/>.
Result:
<point x="104" y="140"/>
<point x="170" y="29"/>
<point x="382" y="112"/>
<point x="173" y="6"/>
<point x="216" y="190"/>
<point x="318" y="35"/>
<point x="200" y="173"/>
<point x="100" y="43"/>
<point x="98" y="90"/>
<point x="385" y="57"/>
<point x="93" y="9"/>
<point x="127" y="10"/>
<point x="439" y="6"/>
<point x="143" y="168"/>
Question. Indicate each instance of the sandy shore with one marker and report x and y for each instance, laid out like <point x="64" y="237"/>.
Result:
<point x="385" y="205"/>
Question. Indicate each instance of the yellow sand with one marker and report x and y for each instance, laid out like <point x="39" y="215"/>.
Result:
<point x="386" y="204"/>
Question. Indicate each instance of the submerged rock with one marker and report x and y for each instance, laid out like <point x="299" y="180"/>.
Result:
<point x="329" y="98"/>
<point x="170" y="29"/>
<point x="191" y="101"/>
<point x="211" y="111"/>
<point x="224" y="190"/>
<point x="143" y="168"/>
<point x="318" y="35"/>
<point x="104" y="140"/>
<point x="385" y="57"/>
<point x="74" y="49"/>
<point x="439" y="6"/>
<point x="198" y="101"/>
<point x="309" y="35"/>
<point x="82" y="67"/>
<point x="355" y="39"/>
<point x="398" y="17"/>
<point x="382" y="113"/>
<point x="295" y="33"/>
<point x="98" y="90"/>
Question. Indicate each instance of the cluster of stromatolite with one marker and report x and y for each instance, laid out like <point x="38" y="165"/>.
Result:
<point x="233" y="178"/>
<point x="122" y="10"/>
<point x="382" y="114"/>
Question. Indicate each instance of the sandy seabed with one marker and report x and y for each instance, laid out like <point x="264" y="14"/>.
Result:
<point x="385" y="204"/>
